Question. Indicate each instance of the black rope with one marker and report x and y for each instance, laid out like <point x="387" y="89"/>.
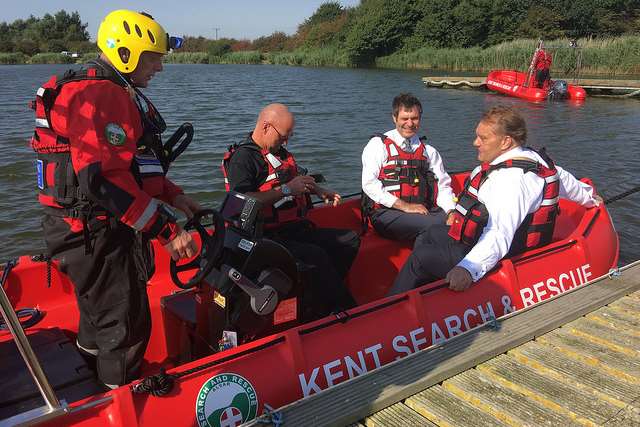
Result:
<point x="31" y="316"/>
<point x="622" y="195"/>
<point x="162" y="383"/>
<point x="157" y="385"/>
<point x="47" y="259"/>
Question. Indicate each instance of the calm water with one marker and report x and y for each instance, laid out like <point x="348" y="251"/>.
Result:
<point x="336" y="111"/>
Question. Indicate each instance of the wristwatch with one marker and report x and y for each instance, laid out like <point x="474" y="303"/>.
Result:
<point x="286" y="191"/>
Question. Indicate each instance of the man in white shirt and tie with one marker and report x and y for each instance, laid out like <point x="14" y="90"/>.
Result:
<point x="508" y="206"/>
<point x="406" y="189"/>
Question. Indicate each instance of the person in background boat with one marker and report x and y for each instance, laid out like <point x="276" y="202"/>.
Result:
<point x="542" y="64"/>
<point x="104" y="190"/>
<point x="262" y="167"/>
<point x="406" y="189"/>
<point x="509" y="205"/>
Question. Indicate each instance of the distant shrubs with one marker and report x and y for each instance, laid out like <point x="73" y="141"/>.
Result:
<point x="12" y="58"/>
<point x="51" y="58"/>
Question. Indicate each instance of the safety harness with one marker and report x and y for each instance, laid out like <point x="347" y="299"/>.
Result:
<point x="471" y="215"/>
<point x="59" y="190"/>
<point x="281" y="169"/>
<point x="406" y="175"/>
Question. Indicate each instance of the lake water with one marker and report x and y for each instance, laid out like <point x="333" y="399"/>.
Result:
<point x="336" y="112"/>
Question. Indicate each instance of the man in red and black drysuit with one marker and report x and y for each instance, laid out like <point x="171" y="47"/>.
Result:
<point x="542" y="63"/>
<point x="509" y="205"/>
<point x="261" y="167"/>
<point x="104" y="190"/>
<point x="406" y="189"/>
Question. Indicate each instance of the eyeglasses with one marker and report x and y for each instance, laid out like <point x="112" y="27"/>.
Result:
<point x="281" y="137"/>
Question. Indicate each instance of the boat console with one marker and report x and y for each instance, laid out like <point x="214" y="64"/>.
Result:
<point x="245" y="286"/>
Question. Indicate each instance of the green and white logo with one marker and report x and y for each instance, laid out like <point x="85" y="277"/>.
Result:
<point x="115" y="134"/>
<point x="226" y="400"/>
<point x="111" y="43"/>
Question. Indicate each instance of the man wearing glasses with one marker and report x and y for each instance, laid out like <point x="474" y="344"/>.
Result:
<point x="261" y="167"/>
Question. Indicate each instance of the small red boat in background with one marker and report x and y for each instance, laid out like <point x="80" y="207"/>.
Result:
<point x="514" y="83"/>
<point x="279" y="358"/>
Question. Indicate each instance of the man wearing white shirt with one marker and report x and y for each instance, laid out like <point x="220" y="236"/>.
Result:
<point x="406" y="188"/>
<point x="508" y="206"/>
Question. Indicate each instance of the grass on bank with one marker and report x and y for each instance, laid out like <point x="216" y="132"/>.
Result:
<point x="610" y="56"/>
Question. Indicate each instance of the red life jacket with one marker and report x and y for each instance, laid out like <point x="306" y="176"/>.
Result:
<point x="57" y="181"/>
<point x="471" y="215"/>
<point x="405" y="175"/>
<point x="543" y="59"/>
<point x="281" y="169"/>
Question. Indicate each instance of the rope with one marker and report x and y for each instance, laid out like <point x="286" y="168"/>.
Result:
<point x="32" y="316"/>
<point x="157" y="385"/>
<point x="269" y="416"/>
<point x="47" y="259"/>
<point x="622" y="195"/>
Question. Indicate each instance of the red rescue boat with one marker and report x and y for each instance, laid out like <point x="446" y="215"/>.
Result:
<point x="514" y="83"/>
<point x="290" y="359"/>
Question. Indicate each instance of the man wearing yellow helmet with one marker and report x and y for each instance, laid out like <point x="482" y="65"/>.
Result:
<point x="103" y="186"/>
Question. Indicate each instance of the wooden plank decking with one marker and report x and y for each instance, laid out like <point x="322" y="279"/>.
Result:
<point x="574" y="360"/>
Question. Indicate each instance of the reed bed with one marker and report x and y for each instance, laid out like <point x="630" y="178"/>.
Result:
<point x="51" y="58"/>
<point x="241" y="57"/>
<point x="187" y="58"/>
<point x="608" y="56"/>
<point x="12" y="58"/>
<point x="326" y="57"/>
<point x="603" y="56"/>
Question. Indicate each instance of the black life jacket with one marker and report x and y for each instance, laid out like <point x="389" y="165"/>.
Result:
<point x="58" y="186"/>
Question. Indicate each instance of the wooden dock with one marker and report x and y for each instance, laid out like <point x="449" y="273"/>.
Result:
<point x="594" y="87"/>
<point x="572" y="360"/>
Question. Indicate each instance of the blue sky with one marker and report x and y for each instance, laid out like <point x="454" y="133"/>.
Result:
<point x="235" y="19"/>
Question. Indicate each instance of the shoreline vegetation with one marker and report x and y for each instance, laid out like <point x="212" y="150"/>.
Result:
<point x="615" y="56"/>
<point x="442" y="35"/>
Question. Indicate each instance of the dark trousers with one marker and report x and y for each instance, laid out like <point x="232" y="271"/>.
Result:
<point x="430" y="260"/>
<point x="397" y="225"/>
<point x="110" y="287"/>
<point x="542" y="75"/>
<point x="329" y="252"/>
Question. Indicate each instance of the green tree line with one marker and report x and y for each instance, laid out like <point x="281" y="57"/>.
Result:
<point x="51" y="33"/>
<point x="357" y="36"/>
<point x="377" y="28"/>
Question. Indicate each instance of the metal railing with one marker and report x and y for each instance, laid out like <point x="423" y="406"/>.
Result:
<point x="52" y="406"/>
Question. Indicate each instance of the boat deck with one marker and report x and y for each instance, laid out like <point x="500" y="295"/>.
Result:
<point x="594" y="87"/>
<point x="573" y="360"/>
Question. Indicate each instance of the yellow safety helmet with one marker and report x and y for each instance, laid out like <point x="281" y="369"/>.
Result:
<point x="124" y="34"/>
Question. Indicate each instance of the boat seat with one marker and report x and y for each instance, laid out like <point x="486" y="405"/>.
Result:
<point x="368" y="284"/>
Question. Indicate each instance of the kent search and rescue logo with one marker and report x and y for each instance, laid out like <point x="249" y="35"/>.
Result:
<point x="115" y="134"/>
<point x="226" y="400"/>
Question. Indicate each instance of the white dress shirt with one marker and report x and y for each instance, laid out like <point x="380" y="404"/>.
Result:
<point x="510" y="195"/>
<point x="375" y="155"/>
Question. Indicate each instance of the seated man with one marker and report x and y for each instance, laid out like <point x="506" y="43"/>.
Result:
<point x="261" y="167"/>
<point x="509" y="205"/>
<point x="404" y="181"/>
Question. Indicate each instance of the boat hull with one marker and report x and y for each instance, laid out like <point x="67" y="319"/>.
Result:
<point x="513" y="83"/>
<point x="307" y="359"/>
